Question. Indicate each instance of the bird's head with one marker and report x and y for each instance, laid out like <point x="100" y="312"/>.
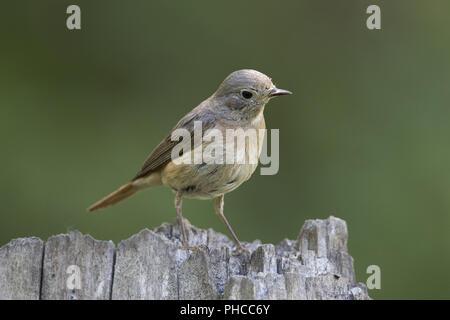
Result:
<point x="245" y="92"/>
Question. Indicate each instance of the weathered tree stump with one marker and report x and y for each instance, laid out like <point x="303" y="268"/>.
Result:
<point x="152" y="265"/>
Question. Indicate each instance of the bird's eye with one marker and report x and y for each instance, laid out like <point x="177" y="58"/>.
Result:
<point x="247" y="94"/>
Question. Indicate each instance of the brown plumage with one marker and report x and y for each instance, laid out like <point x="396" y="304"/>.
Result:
<point x="120" y="194"/>
<point x="238" y="103"/>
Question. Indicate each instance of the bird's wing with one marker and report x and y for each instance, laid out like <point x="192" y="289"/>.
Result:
<point x="161" y="155"/>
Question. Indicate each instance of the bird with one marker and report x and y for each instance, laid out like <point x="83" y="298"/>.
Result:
<point x="238" y="103"/>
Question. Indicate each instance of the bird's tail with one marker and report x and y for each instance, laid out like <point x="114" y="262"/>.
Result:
<point x="120" y="194"/>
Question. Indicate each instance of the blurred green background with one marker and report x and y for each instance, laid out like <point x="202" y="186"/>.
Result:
<point x="364" y="138"/>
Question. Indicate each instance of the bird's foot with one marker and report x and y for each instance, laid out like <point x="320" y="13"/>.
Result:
<point x="241" y="250"/>
<point x="192" y="248"/>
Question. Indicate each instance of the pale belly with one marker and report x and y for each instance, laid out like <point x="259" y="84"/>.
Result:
<point x="210" y="179"/>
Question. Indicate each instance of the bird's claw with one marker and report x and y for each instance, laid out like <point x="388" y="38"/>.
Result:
<point x="192" y="248"/>
<point x="241" y="250"/>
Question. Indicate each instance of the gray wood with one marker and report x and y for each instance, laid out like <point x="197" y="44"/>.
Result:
<point x="153" y="265"/>
<point x="146" y="267"/>
<point x="94" y="258"/>
<point x="195" y="277"/>
<point x="20" y="269"/>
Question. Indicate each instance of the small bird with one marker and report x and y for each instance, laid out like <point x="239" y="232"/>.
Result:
<point x="238" y="103"/>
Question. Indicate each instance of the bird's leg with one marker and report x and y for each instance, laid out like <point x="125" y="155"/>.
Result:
<point x="178" y="205"/>
<point x="219" y="210"/>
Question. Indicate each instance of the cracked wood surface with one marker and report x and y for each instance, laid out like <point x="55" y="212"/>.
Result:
<point x="152" y="265"/>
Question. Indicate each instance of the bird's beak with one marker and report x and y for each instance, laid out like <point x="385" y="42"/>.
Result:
<point x="278" y="92"/>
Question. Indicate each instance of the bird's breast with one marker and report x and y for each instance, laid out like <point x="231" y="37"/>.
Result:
<point x="225" y="165"/>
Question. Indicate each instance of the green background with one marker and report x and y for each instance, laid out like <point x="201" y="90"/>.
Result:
<point x="365" y="137"/>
